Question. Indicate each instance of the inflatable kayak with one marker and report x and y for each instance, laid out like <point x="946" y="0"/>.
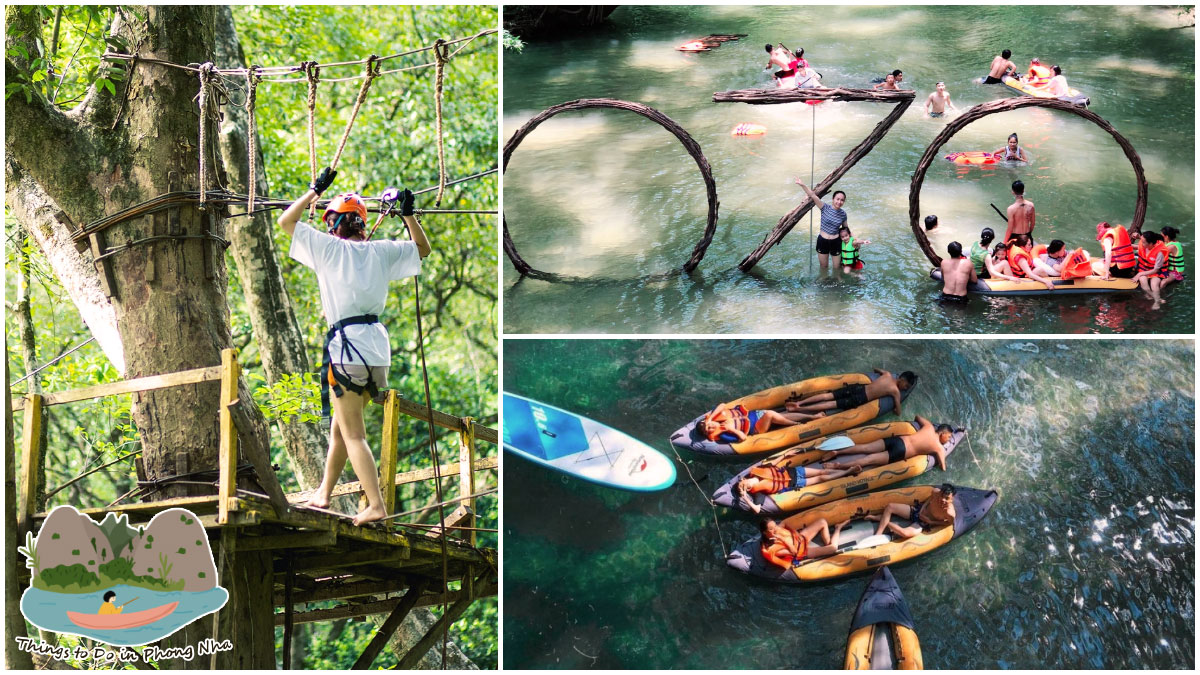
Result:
<point x="871" y="478"/>
<point x="576" y="445"/>
<point x="1020" y="86"/>
<point x="1090" y="284"/>
<point x="691" y="436"/>
<point x="122" y="620"/>
<point x="748" y="129"/>
<point x="973" y="158"/>
<point x="882" y="636"/>
<point x="709" y="42"/>
<point x="858" y="549"/>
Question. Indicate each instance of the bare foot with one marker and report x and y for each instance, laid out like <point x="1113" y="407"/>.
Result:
<point x="369" y="515"/>
<point x="318" y="500"/>
<point x="854" y="470"/>
<point x="819" y="414"/>
<point x="872" y="517"/>
<point x="791" y="406"/>
<point x="825" y="457"/>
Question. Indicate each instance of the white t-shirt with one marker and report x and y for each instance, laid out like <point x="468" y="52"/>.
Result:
<point x="1058" y="86"/>
<point x="353" y="278"/>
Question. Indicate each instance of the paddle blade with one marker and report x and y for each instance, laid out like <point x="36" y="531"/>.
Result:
<point x="871" y="541"/>
<point x="836" y="443"/>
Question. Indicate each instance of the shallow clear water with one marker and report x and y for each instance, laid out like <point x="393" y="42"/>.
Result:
<point x="1086" y="561"/>
<point x="613" y="198"/>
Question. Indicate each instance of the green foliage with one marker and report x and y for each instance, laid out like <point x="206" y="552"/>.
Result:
<point x="512" y="42"/>
<point x="65" y="576"/>
<point x="120" y="569"/>
<point x="164" y="569"/>
<point x="30" y="553"/>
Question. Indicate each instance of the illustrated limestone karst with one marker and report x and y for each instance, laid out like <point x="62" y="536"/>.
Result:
<point x="174" y="546"/>
<point x="68" y="538"/>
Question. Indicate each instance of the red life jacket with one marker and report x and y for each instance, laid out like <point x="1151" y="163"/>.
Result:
<point x="1015" y="253"/>
<point x="1077" y="265"/>
<point x="1146" y="258"/>
<point x="1122" y="249"/>
<point x="738" y="413"/>
<point x="776" y="551"/>
<point x="772" y="479"/>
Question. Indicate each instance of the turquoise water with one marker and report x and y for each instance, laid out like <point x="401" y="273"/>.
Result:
<point x="610" y="197"/>
<point x="1086" y="561"/>
<point x="48" y="610"/>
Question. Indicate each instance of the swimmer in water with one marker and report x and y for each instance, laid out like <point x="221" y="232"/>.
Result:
<point x="1011" y="152"/>
<point x="938" y="101"/>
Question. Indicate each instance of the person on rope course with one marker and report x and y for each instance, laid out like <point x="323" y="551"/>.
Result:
<point x="353" y="276"/>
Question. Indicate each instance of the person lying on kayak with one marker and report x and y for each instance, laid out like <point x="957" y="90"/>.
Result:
<point x="1022" y="217"/>
<point x="854" y="395"/>
<point x="938" y="101"/>
<point x="957" y="272"/>
<point x="1050" y="262"/>
<point x="1011" y="152"/>
<point x="769" y="479"/>
<point x="735" y="424"/>
<point x="1020" y="260"/>
<point x="935" y="511"/>
<point x="784" y="547"/>
<point x="1118" y="251"/>
<point x="928" y="440"/>
<point x="1000" y="67"/>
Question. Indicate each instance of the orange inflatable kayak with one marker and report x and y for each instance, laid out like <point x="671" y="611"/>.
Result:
<point x="748" y="129"/>
<point x="972" y="158"/>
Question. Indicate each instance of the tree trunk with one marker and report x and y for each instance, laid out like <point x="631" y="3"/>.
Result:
<point x="168" y="298"/>
<point x="14" y="621"/>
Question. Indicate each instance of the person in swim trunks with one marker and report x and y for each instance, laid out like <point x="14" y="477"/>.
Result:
<point x="769" y="479"/>
<point x="935" y="511"/>
<point x="957" y="273"/>
<point x="854" y="395"/>
<point x="938" y="101"/>
<point x="1000" y="67"/>
<point x="784" y="547"/>
<point x="732" y="425"/>
<point x="928" y="440"/>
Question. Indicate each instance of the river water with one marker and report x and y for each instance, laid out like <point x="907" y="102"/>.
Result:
<point x="1086" y="561"/>
<point x="612" y="198"/>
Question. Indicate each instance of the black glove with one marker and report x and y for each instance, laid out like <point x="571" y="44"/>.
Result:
<point x="323" y="181"/>
<point x="406" y="202"/>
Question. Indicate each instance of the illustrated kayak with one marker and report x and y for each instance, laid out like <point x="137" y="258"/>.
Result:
<point x="1089" y="284"/>
<point x="748" y="129"/>
<point x="871" y="478"/>
<point x="973" y="158"/>
<point x="859" y="549"/>
<point x="1020" y="86"/>
<point x="882" y="636"/>
<point x="691" y="436"/>
<point x="575" y="445"/>
<point x="122" y="620"/>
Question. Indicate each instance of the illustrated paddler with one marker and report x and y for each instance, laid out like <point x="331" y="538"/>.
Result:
<point x="107" y="607"/>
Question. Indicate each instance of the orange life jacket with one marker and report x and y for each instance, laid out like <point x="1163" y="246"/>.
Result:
<point x="776" y="551"/>
<point x="1146" y="257"/>
<point x="771" y="479"/>
<point x="1076" y="265"/>
<point x="1037" y="250"/>
<point x="1015" y="253"/>
<point x="1122" y="249"/>
<point x="1038" y="75"/>
<point x="738" y="413"/>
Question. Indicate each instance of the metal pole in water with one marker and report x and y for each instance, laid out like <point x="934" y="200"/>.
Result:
<point x="811" y="177"/>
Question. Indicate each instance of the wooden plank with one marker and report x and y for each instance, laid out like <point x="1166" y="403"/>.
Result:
<point x="289" y="616"/>
<point x="355" y="487"/>
<point x="456" y="517"/>
<point x="366" y="609"/>
<point x="227" y="452"/>
<point x="337" y="590"/>
<point x="389" y="450"/>
<point x="149" y="383"/>
<point x="341" y="559"/>
<point x="278" y="542"/>
<point x="466" y="474"/>
<point x="441" y="419"/>
<point x="31" y="462"/>
<point x="417" y="651"/>
<point x="385" y="631"/>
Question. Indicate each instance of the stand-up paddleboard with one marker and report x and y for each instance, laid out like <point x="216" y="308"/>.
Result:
<point x="1088" y="284"/>
<point x="581" y="447"/>
<point x="881" y="634"/>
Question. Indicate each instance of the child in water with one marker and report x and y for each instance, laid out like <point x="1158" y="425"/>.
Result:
<point x="849" y="256"/>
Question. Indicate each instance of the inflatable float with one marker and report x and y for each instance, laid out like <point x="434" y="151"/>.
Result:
<point x="882" y="636"/>
<point x="1022" y="87"/>
<point x="1089" y="284"/>
<point x="871" y="478"/>
<point x="575" y="445"/>
<point x="122" y="620"/>
<point x="859" y="549"/>
<point x="973" y="158"/>
<point x="691" y="436"/>
<point x="748" y="129"/>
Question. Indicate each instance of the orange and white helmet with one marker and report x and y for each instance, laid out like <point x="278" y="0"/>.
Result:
<point x="348" y="202"/>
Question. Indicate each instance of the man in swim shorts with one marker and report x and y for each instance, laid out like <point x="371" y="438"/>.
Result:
<point x="1021" y="215"/>
<point x="935" y="511"/>
<point x="1000" y="67"/>
<point x="769" y="479"/>
<point x="734" y="424"/>
<point x="854" y="395"/>
<point x="957" y="272"/>
<point x="935" y="105"/>
<point x="928" y="440"/>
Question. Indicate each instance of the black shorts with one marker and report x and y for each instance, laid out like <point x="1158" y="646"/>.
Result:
<point x="895" y="449"/>
<point x="954" y="299"/>
<point x="850" y="396"/>
<point x="991" y="80"/>
<point x="829" y="246"/>
<point x="1126" y="273"/>
<point x="985" y="274"/>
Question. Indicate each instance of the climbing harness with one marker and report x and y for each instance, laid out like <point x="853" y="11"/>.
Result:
<point x="337" y="381"/>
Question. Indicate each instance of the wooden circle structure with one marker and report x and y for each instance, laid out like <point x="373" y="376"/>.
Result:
<point x="689" y="144"/>
<point x="1005" y="105"/>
